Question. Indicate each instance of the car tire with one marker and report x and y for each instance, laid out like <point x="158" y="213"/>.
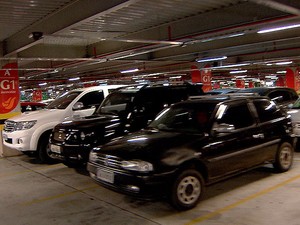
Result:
<point x="187" y="189"/>
<point x="43" y="149"/>
<point x="284" y="157"/>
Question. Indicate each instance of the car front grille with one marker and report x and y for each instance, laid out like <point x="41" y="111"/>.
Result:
<point x="9" y="126"/>
<point x="109" y="160"/>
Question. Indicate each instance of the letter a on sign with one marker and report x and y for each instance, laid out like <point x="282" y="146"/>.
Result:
<point x="7" y="73"/>
<point x="9" y="88"/>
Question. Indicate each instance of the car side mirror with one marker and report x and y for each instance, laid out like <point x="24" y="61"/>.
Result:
<point x="223" y="128"/>
<point x="78" y="106"/>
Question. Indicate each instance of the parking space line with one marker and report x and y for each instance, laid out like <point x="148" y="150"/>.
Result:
<point x="59" y="195"/>
<point x="242" y="201"/>
<point x="27" y="170"/>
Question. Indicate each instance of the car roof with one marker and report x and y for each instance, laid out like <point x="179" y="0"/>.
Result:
<point x="224" y="97"/>
<point x="101" y="87"/>
<point x="262" y="90"/>
<point x="138" y="87"/>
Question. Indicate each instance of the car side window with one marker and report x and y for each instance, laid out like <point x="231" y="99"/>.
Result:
<point x="237" y="115"/>
<point x="93" y="98"/>
<point x="267" y="110"/>
<point x="280" y="93"/>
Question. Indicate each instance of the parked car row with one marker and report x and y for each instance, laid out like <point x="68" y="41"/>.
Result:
<point x="157" y="140"/>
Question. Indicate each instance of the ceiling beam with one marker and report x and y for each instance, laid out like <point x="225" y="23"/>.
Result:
<point x="57" y="21"/>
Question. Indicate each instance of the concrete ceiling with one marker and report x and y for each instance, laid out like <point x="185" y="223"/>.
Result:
<point x="54" y="40"/>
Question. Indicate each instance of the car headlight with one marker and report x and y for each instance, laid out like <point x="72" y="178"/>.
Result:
<point x="137" y="165"/>
<point x="25" y="125"/>
<point x="93" y="155"/>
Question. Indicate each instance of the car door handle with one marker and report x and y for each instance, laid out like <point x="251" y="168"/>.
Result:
<point x="258" y="136"/>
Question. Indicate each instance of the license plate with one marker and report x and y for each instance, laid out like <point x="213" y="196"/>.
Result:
<point x="55" y="149"/>
<point x="105" y="176"/>
<point x="4" y="136"/>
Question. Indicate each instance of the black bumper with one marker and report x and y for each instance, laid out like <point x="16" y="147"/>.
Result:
<point x="72" y="153"/>
<point x="142" y="186"/>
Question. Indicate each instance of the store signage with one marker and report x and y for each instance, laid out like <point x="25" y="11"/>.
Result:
<point x="37" y="95"/>
<point x="9" y="92"/>
<point x="195" y="74"/>
<point x="9" y="88"/>
<point x="206" y="78"/>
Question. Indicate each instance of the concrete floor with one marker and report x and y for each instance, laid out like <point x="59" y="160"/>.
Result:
<point x="33" y="193"/>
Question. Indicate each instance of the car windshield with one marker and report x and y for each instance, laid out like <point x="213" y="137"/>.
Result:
<point x="116" y="102"/>
<point x="64" y="100"/>
<point x="184" y="118"/>
<point x="296" y="104"/>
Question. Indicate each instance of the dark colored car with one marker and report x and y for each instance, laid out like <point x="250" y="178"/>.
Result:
<point x="283" y="96"/>
<point x="193" y="144"/>
<point x="32" y="106"/>
<point x="126" y="110"/>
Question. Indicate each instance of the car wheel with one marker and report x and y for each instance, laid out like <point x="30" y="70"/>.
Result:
<point x="284" y="157"/>
<point x="43" y="150"/>
<point x="187" y="189"/>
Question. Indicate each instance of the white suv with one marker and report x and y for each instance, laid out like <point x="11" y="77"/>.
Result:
<point x="29" y="132"/>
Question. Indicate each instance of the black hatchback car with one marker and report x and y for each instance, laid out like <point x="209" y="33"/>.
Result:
<point x="193" y="144"/>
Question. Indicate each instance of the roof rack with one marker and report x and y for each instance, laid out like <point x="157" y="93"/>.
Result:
<point x="226" y="96"/>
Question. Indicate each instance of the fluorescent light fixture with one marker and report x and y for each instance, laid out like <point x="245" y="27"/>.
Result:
<point x="238" y="71"/>
<point x="269" y="64"/>
<point x="211" y="59"/>
<point x="223" y="37"/>
<point x="232" y="65"/>
<point x="284" y="63"/>
<point x="75" y="78"/>
<point x="43" y="84"/>
<point x="283" y="71"/>
<point x="130" y="71"/>
<point x="278" y="28"/>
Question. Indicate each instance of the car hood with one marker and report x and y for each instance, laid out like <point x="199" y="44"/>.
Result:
<point x="88" y="122"/>
<point x="152" y="145"/>
<point x="44" y="114"/>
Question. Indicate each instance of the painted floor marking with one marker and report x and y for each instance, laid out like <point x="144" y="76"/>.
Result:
<point x="242" y="201"/>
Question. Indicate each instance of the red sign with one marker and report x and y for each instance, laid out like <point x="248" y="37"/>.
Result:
<point x="251" y="84"/>
<point x="37" y="95"/>
<point x="290" y="78"/>
<point x="297" y="76"/>
<point x="9" y="88"/>
<point x="206" y="78"/>
<point x="240" y="83"/>
<point x="195" y="74"/>
<point x="280" y="82"/>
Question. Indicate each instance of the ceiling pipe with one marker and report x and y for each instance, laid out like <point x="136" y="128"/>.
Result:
<point x="278" y="6"/>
